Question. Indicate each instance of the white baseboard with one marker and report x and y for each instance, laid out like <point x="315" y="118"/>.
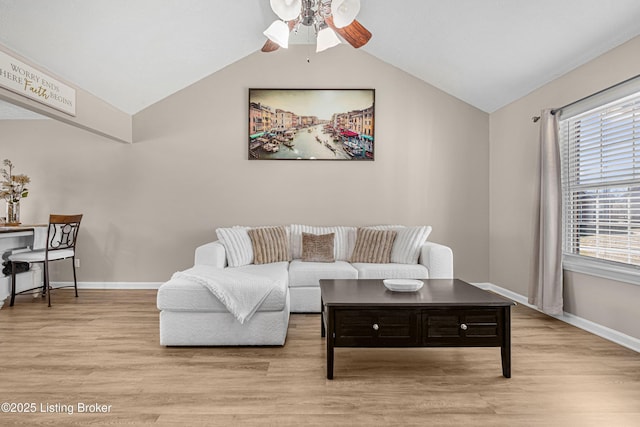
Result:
<point x="95" y="285"/>
<point x="587" y="325"/>
<point x="111" y="285"/>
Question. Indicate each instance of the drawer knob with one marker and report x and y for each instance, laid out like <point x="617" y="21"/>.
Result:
<point x="463" y="327"/>
<point x="375" y="327"/>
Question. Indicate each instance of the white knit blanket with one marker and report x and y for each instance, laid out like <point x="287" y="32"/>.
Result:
<point x="240" y="292"/>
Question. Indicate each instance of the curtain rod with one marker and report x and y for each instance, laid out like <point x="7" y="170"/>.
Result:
<point x="556" y="110"/>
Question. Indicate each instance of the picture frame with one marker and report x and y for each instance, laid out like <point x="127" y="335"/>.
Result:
<point x="311" y="124"/>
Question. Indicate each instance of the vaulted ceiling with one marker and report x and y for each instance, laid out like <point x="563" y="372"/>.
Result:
<point x="488" y="53"/>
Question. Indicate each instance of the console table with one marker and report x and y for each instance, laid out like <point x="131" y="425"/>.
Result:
<point x="444" y="313"/>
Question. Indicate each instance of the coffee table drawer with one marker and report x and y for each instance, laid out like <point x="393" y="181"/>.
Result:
<point x="377" y="328"/>
<point x="462" y="327"/>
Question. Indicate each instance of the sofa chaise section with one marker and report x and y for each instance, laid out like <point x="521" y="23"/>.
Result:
<point x="190" y="315"/>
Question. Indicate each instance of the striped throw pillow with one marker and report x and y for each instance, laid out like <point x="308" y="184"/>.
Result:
<point x="409" y="241"/>
<point x="270" y="244"/>
<point x="237" y="245"/>
<point x="373" y="246"/>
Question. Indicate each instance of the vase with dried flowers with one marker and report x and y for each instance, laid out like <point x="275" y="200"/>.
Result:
<point x="12" y="189"/>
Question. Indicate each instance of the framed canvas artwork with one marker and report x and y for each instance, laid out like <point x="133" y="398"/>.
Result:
<point x="311" y="124"/>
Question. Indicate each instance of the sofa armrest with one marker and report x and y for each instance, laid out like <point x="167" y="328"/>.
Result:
<point x="212" y="254"/>
<point x="438" y="259"/>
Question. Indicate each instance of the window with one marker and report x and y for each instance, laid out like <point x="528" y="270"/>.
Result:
<point x="600" y="148"/>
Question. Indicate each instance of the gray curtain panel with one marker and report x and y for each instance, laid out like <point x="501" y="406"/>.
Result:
<point x="546" y="289"/>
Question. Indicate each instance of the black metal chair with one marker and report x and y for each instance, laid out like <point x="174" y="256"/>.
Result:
<point x="61" y="244"/>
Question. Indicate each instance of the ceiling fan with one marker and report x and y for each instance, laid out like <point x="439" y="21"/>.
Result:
<point x="327" y="17"/>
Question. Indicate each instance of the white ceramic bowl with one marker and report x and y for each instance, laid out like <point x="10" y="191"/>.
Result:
<point x="403" y="285"/>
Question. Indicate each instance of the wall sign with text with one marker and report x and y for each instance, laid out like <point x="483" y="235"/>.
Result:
<point x="25" y="80"/>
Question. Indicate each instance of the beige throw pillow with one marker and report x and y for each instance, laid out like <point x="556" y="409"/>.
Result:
<point x="270" y="244"/>
<point x="318" y="248"/>
<point x="373" y="246"/>
<point x="343" y="242"/>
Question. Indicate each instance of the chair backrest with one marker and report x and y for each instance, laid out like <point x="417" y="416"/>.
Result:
<point x="63" y="231"/>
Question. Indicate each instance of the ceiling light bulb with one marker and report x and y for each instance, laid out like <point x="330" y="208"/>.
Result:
<point x="278" y="32"/>
<point x="286" y="10"/>
<point x="326" y="38"/>
<point x="344" y="12"/>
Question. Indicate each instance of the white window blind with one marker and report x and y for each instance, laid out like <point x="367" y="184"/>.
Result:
<point x="600" y="151"/>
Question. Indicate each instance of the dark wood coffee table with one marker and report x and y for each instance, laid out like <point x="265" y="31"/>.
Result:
<point x="444" y="313"/>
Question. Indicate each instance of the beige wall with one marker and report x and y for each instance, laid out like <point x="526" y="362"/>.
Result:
<point x="148" y="205"/>
<point x="513" y="163"/>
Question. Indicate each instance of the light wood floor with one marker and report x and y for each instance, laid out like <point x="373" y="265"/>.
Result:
<point x="103" y="348"/>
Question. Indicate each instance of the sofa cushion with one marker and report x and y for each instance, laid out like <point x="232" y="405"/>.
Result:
<point x="270" y="244"/>
<point x="391" y="271"/>
<point x="318" y="248"/>
<point x="373" y="245"/>
<point x="277" y="271"/>
<point x="344" y="240"/>
<point x="237" y="244"/>
<point x="306" y="274"/>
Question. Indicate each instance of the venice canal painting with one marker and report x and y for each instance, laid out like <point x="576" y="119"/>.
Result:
<point x="311" y="124"/>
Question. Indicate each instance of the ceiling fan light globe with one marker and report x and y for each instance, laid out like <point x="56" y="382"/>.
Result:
<point x="278" y="32"/>
<point x="344" y="12"/>
<point x="287" y="10"/>
<point x="327" y="38"/>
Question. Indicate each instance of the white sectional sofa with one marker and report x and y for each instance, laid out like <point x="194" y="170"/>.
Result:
<point x="436" y="262"/>
<point x="191" y="315"/>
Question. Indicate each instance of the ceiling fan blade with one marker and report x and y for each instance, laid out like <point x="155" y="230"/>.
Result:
<point x="355" y="34"/>
<point x="270" y="46"/>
